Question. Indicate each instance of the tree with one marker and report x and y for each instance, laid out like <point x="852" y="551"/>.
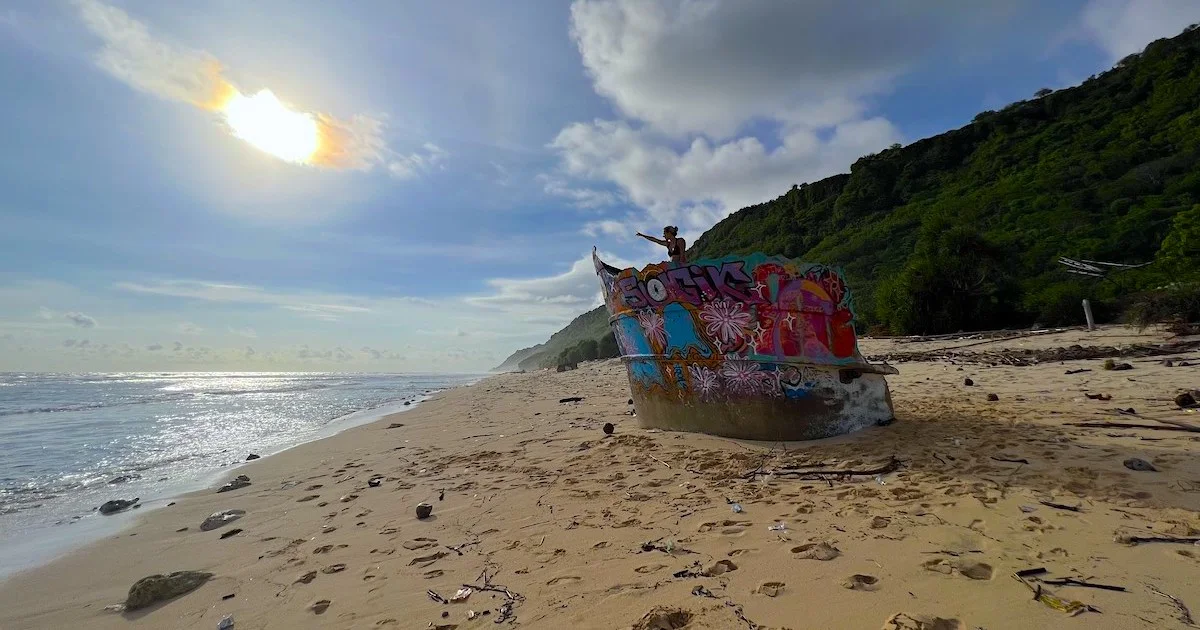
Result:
<point x="1043" y="92"/>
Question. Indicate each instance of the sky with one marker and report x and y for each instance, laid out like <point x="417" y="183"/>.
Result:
<point x="477" y="151"/>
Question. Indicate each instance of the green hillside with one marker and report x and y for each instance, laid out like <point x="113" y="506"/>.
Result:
<point x="963" y="230"/>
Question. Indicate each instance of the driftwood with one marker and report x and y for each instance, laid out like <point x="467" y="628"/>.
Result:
<point x="1133" y="540"/>
<point x="1185" y="615"/>
<point x="1084" y="583"/>
<point x="892" y="465"/>
<point x="1126" y="425"/>
<point x="1011" y="461"/>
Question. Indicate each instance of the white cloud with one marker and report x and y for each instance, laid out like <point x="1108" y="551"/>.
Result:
<point x="573" y="291"/>
<point x="710" y="66"/>
<point x="248" y="333"/>
<point x="81" y="320"/>
<point x="324" y="307"/>
<point x="579" y="196"/>
<point x="188" y="328"/>
<point x="1123" y="27"/>
<point x="608" y="228"/>
<point x="417" y="163"/>
<point x="702" y="184"/>
<point x="154" y="347"/>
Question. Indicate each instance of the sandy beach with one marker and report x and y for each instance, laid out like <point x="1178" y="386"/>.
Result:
<point x="566" y="527"/>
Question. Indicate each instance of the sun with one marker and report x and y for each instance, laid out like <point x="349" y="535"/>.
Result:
<point x="269" y="125"/>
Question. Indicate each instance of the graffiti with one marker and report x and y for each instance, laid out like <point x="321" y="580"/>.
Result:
<point x="755" y="330"/>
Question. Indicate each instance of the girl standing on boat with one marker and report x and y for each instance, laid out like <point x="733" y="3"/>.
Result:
<point x="676" y="247"/>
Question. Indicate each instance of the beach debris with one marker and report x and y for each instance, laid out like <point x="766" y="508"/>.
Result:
<point x="861" y="582"/>
<point x="239" y="482"/>
<point x="693" y="571"/>
<point x="1040" y="594"/>
<point x="375" y="482"/>
<point x="471" y="615"/>
<point x="906" y="621"/>
<point x="117" y="505"/>
<point x="778" y="527"/>
<point x="880" y="522"/>
<point x="348" y="498"/>
<point x="132" y="476"/>
<point x="609" y="428"/>
<point x="233" y="532"/>
<point x="663" y="618"/>
<point x="700" y="591"/>
<point x="1139" y="464"/>
<point x="879" y="480"/>
<point x="114" y="608"/>
<point x="992" y="397"/>
<point x="1134" y="539"/>
<point x="225" y="623"/>
<point x="1098" y="396"/>
<point x="817" y="473"/>
<point x="1068" y="581"/>
<point x="1185" y="615"/>
<point x="407" y="403"/>
<point x="630" y="401"/>
<point x="462" y="595"/>
<point x="1168" y="363"/>
<point x="1125" y="425"/>
<point x="1028" y="509"/>
<point x="441" y="495"/>
<point x="395" y="425"/>
<point x="1062" y="506"/>
<point x="736" y="507"/>
<point x="424" y="510"/>
<point x="968" y="382"/>
<point x="435" y="597"/>
<point x="320" y="606"/>
<point x="217" y="519"/>
<point x="570" y="399"/>
<point x="334" y="568"/>
<point x="1011" y="460"/>
<point x="816" y="551"/>
<point x="1079" y="371"/>
<point x="1186" y="400"/>
<point x="156" y="588"/>
<point x="1109" y="364"/>
<point x="253" y="456"/>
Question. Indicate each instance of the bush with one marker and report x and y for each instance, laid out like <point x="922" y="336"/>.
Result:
<point x="1173" y="304"/>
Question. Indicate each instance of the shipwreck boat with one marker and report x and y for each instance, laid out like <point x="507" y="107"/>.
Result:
<point x="754" y="347"/>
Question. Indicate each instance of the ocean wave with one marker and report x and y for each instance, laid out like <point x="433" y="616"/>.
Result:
<point x="146" y="400"/>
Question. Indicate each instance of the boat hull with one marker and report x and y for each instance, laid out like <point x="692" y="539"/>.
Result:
<point x="754" y="347"/>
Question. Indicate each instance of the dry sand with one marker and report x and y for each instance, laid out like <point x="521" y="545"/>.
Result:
<point x="539" y="500"/>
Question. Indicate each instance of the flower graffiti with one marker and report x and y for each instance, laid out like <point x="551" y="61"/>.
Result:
<point x="725" y="322"/>
<point x="704" y="380"/>
<point x="653" y="325"/>
<point x="741" y="377"/>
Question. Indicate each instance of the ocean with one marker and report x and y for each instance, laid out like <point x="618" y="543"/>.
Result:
<point x="70" y="442"/>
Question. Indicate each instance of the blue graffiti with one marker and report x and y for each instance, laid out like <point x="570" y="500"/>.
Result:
<point x="642" y="369"/>
<point x="681" y="332"/>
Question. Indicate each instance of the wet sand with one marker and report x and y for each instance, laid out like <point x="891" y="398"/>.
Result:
<point x="575" y="529"/>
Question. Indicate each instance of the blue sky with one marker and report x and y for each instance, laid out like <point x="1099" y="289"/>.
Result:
<point x="493" y="145"/>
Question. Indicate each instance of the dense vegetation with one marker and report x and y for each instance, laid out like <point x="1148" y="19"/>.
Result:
<point x="963" y="230"/>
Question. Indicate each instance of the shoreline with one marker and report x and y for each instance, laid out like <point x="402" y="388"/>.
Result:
<point x="94" y="527"/>
<point x="588" y="531"/>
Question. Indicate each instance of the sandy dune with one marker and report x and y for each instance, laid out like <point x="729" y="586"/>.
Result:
<point x="575" y="529"/>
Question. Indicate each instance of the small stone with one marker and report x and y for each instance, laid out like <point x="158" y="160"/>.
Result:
<point x="880" y="522"/>
<point x="1139" y="464"/>
<point x="395" y="425"/>
<point x="217" y="519"/>
<point x="968" y="382"/>
<point x="253" y="456"/>
<point x="348" y="498"/>
<point x="1168" y="363"/>
<point x="117" y="505"/>
<point x="1185" y="400"/>
<point x="241" y="481"/>
<point x="609" y="428"/>
<point x="993" y="397"/>
<point x="232" y="532"/>
<point x="374" y="482"/>
<point x="424" y="510"/>
<point x="156" y="588"/>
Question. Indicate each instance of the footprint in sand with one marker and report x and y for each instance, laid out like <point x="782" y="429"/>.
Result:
<point x="436" y="573"/>
<point x="861" y="582"/>
<point x="387" y="622"/>
<point x="333" y="568"/>
<point x="728" y="528"/>
<point x="975" y="570"/>
<point x="565" y="578"/>
<point x="650" y="568"/>
<point x="770" y="589"/>
<point x="306" y="578"/>
<point x="603" y="544"/>
<point x="323" y="549"/>
<point x="880" y="522"/>
<point x="425" y="561"/>
<point x="320" y="606"/>
<point x="721" y="567"/>
<point x="315" y="486"/>
<point x="816" y="551"/>
<point x="308" y="498"/>
<point x="737" y="552"/>
<point x="420" y="543"/>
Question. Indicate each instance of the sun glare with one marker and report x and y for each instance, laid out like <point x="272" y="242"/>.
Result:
<point x="267" y="124"/>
